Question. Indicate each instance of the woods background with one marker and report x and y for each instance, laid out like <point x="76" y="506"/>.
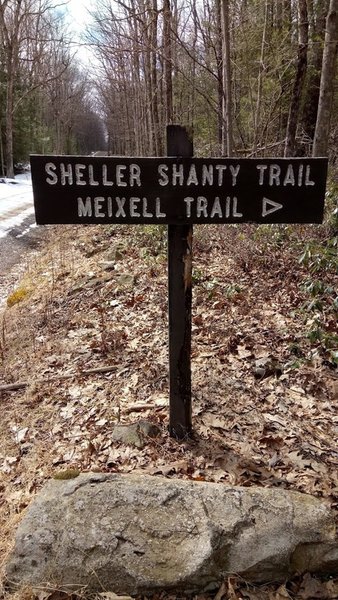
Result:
<point x="251" y="77"/>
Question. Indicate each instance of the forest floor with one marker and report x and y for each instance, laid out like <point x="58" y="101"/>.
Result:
<point x="265" y="385"/>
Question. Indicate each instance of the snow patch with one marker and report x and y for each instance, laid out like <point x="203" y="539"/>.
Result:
<point x="16" y="202"/>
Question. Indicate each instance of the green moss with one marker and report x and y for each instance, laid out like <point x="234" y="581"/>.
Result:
<point x="66" y="474"/>
<point x="17" y="296"/>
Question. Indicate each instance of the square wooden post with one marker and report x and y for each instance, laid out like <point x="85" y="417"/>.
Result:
<point x="180" y="294"/>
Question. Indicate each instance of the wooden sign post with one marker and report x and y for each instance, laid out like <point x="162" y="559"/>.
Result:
<point x="178" y="190"/>
<point x="180" y="296"/>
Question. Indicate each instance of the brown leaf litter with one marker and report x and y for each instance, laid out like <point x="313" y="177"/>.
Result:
<point x="97" y="298"/>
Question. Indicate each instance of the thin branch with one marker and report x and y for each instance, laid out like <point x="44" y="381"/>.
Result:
<point x="10" y="387"/>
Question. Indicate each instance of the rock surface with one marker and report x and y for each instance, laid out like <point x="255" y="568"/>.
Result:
<point x="135" y="434"/>
<point x="137" y="534"/>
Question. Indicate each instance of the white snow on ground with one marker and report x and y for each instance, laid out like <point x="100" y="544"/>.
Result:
<point x="16" y="201"/>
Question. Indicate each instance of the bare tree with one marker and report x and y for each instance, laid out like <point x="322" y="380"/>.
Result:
<point x="317" y="21"/>
<point x="321" y="138"/>
<point x="227" y="138"/>
<point x="26" y="28"/>
<point x="12" y="15"/>
<point x="257" y="117"/>
<point x="167" y="61"/>
<point x="303" y="37"/>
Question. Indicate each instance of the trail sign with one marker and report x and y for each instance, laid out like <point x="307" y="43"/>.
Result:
<point x="71" y="189"/>
<point x="178" y="190"/>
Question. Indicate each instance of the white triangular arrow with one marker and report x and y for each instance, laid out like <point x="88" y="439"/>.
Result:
<point x="269" y="206"/>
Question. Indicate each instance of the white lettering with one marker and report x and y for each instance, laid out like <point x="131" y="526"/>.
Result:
<point x="235" y="214"/>
<point x="192" y="177"/>
<point x="300" y="175"/>
<point x="159" y="214"/>
<point x="234" y="173"/>
<point x="50" y="168"/>
<point x="79" y="174"/>
<point x="66" y="173"/>
<point x="216" y="209"/>
<point x="289" y="178"/>
<point x="207" y="174"/>
<point x="84" y="210"/>
<point x="145" y="213"/>
<point x="220" y="169"/>
<point x="98" y="201"/>
<point x="120" y="207"/>
<point x="110" y="206"/>
<point x="120" y="175"/>
<point x="188" y="202"/>
<point x="261" y="169"/>
<point x="227" y="207"/>
<point x="133" y="202"/>
<point x="135" y="175"/>
<point x="307" y="176"/>
<point x="274" y="175"/>
<point x="202" y="205"/>
<point x="105" y="179"/>
<point x="177" y="174"/>
<point x="162" y="172"/>
<point x="92" y="181"/>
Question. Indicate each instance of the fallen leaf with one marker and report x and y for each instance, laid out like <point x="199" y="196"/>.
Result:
<point x="175" y="467"/>
<point x="312" y="588"/>
<point x="20" y="434"/>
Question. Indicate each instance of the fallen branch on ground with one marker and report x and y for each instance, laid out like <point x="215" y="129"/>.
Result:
<point x="10" y="387"/>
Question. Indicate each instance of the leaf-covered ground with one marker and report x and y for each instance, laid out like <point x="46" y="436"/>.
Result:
<point x="265" y="386"/>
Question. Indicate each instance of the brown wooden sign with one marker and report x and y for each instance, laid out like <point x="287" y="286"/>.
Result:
<point x="180" y="190"/>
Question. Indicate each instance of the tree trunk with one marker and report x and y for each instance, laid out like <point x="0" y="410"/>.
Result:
<point x="192" y="87"/>
<point x="311" y="96"/>
<point x="9" y="124"/>
<point x="154" y="79"/>
<point x="287" y="14"/>
<point x="227" y="97"/>
<point x="321" y="139"/>
<point x="260" y="78"/>
<point x="11" y="37"/>
<point x="149" y="92"/>
<point x="219" y="73"/>
<point x="167" y="62"/>
<point x="135" y="80"/>
<point x="303" y="28"/>
<point x="278" y="14"/>
<point x="2" y="158"/>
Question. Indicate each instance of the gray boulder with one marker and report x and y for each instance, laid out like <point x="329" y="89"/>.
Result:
<point x="133" y="534"/>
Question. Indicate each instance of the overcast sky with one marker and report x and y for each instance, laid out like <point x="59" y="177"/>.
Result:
<point x="78" y="12"/>
<point x="77" y="19"/>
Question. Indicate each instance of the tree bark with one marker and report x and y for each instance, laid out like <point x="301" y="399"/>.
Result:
<point x="136" y="81"/>
<point x="167" y="62"/>
<point x="287" y="14"/>
<point x="303" y="28"/>
<point x="260" y="77"/>
<point x="219" y="73"/>
<point x="227" y="141"/>
<point x="311" y="95"/>
<point x="321" y="138"/>
<point x="9" y="126"/>
<point x="154" y="78"/>
<point x="10" y="34"/>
